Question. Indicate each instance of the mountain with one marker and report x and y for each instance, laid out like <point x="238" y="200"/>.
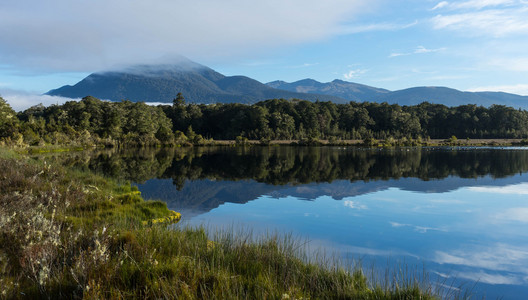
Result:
<point x="506" y="98"/>
<point x="161" y="83"/>
<point x="451" y="97"/>
<point x="339" y="88"/>
<point x="411" y="96"/>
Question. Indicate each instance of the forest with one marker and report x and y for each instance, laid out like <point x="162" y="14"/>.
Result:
<point x="92" y="121"/>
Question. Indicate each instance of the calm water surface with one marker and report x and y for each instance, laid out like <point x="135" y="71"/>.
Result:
<point x="462" y="213"/>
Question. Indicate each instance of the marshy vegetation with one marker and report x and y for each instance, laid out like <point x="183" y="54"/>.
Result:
<point x="72" y="234"/>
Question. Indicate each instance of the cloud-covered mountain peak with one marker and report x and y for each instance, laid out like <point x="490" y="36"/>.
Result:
<point x="162" y="82"/>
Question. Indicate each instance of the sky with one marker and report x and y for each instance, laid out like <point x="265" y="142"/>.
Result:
<point x="469" y="45"/>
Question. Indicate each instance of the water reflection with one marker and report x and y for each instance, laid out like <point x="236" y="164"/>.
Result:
<point x="208" y="177"/>
<point x="460" y="211"/>
<point x="294" y="165"/>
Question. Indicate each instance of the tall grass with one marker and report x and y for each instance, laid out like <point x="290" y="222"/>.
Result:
<point x="70" y="234"/>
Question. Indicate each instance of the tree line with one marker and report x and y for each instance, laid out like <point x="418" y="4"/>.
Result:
<point x="93" y="121"/>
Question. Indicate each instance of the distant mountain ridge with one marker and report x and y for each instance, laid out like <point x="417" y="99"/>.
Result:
<point x="161" y="83"/>
<point x="347" y="90"/>
<point x="411" y="96"/>
<point x="452" y="97"/>
<point x="201" y="84"/>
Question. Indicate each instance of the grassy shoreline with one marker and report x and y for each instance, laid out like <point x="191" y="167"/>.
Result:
<point x="72" y="234"/>
<point x="313" y="142"/>
<point x="382" y="143"/>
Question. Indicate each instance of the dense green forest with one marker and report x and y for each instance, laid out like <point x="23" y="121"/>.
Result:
<point x="92" y="121"/>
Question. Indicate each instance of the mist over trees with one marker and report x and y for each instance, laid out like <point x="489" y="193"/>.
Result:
<point x="92" y="121"/>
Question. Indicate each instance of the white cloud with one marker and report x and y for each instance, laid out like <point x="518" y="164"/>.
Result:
<point x="20" y="101"/>
<point x="417" y="50"/>
<point x="447" y="77"/>
<point x="156" y="103"/>
<point x="519" y="89"/>
<point x="420" y="229"/>
<point x="350" y="29"/>
<point x="422" y="49"/>
<point x="484" y="277"/>
<point x="306" y="214"/>
<point x="514" y="189"/>
<point x="305" y="65"/>
<point x="517" y="64"/>
<point x="69" y="35"/>
<point x="397" y="225"/>
<point x="494" y="22"/>
<point x="474" y="4"/>
<point x="354" y="74"/>
<point x="498" y="257"/>
<point x="398" y="54"/>
<point x="354" y="205"/>
<point x="519" y="214"/>
<point x="376" y="252"/>
<point x="441" y="5"/>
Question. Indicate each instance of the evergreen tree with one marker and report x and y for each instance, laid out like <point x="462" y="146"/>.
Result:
<point x="179" y="100"/>
<point x="8" y="120"/>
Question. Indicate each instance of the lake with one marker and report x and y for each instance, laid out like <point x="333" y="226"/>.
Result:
<point x="459" y="212"/>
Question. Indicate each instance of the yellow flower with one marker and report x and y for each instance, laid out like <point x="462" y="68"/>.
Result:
<point x="210" y="245"/>
<point x="174" y="218"/>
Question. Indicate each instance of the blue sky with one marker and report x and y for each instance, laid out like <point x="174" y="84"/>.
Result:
<point x="468" y="44"/>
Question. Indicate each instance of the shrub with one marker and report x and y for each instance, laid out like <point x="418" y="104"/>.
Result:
<point x="370" y="142"/>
